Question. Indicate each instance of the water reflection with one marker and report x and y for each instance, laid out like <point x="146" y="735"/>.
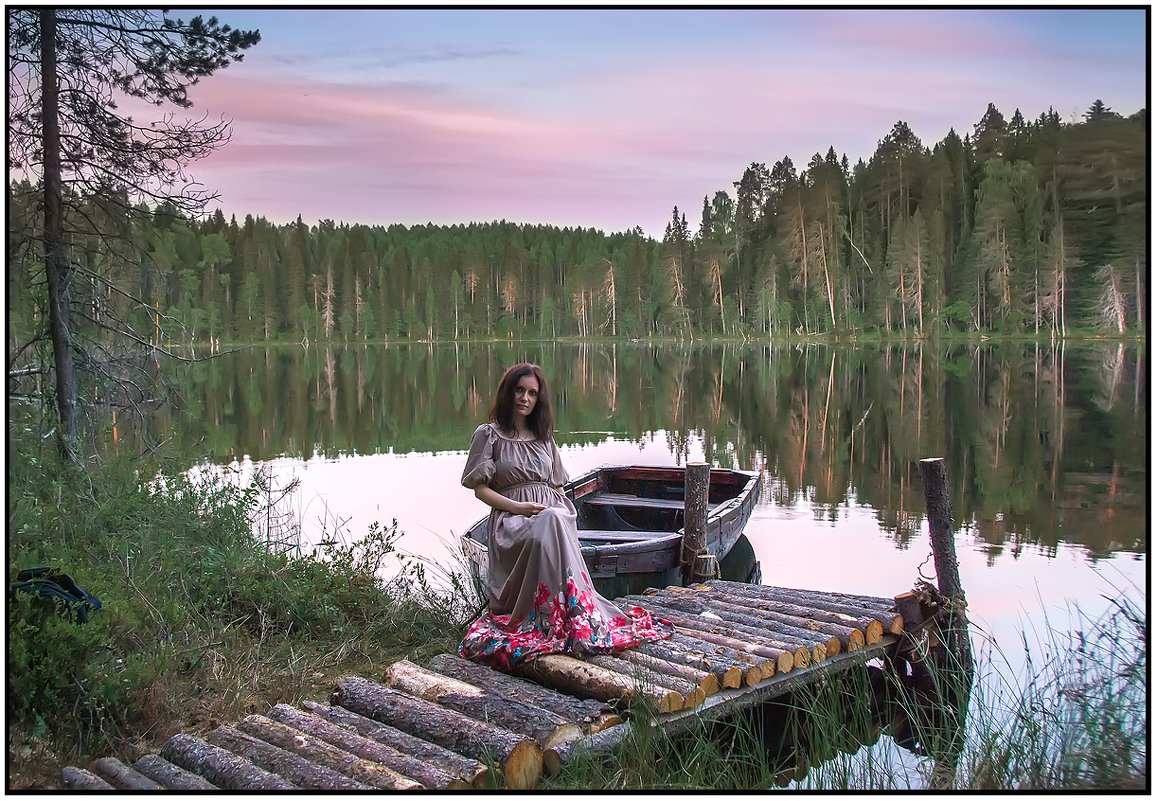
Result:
<point x="1044" y="446"/>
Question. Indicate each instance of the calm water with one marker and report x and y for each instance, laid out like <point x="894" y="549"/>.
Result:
<point x="1046" y="451"/>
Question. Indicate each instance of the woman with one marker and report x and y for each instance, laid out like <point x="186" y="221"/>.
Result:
<point x="541" y="599"/>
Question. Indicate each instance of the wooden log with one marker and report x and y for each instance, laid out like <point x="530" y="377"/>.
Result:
<point x="74" y="778"/>
<point x="892" y="621"/>
<point x="286" y="764"/>
<point x="121" y="776"/>
<point x="769" y="660"/>
<point x="755" y="638"/>
<point x="855" y="599"/>
<point x="314" y="749"/>
<point x="705" y="680"/>
<point x="470" y="770"/>
<point x="870" y="628"/>
<point x="908" y="605"/>
<point x="594" y="716"/>
<point x="689" y="695"/>
<point x="168" y="775"/>
<point x="220" y="767"/>
<point x="847" y="632"/>
<point x="598" y="743"/>
<point x="581" y="678"/>
<point x="520" y="757"/>
<point x="728" y="676"/>
<point x="547" y="728"/>
<point x="753" y="669"/>
<point x="430" y="776"/>
<point x="697" y="603"/>
<point x="696" y="488"/>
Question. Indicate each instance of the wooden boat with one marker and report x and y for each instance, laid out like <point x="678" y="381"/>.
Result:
<point x="630" y="522"/>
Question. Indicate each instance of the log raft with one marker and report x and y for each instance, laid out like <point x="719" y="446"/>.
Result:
<point x="453" y="724"/>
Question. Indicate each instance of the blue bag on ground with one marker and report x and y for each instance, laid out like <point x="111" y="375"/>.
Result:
<point x="48" y="583"/>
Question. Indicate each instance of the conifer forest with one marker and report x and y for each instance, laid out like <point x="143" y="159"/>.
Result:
<point x="1019" y="227"/>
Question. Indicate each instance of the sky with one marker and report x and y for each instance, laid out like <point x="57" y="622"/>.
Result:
<point x="608" y="118"/>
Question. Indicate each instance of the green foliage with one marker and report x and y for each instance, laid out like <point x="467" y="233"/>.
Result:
<point x="185" y="588"/>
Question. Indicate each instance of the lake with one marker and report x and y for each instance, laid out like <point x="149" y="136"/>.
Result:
<point x="1045" y="449"/>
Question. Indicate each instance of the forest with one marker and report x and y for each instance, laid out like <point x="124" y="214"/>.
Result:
<point x="1018" y="228"/>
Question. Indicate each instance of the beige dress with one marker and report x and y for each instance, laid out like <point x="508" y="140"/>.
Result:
<point x="541" y="598"/>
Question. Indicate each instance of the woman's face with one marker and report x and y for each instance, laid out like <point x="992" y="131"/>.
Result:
<point x="525" y="395"/>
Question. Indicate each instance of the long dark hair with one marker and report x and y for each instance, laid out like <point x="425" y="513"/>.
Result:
<point x="541" y="420"/>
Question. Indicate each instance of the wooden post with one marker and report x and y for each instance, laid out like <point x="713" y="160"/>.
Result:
<point x="955" y="691"/>
<point x="696" y="483"/>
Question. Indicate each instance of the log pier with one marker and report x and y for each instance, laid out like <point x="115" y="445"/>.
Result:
<point x="451" y="724"/>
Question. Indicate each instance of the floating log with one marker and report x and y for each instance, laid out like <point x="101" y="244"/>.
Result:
<point x="547" y="728"/>
<point x="706" y="681"/>
<point x="753" y="669"/>
<point x="430" y="776"/>
<point x="593" y="715"/>
<point x="847" y="630"/>
<point x="520" y="757"/>
<point x="882" y="609"/>
<point x="572" y="675"/>
<point x="598" y="743"/>
<point x="726" y="675"/>
<point x="789" y="634"/>
<point x="80" y="779"/>
<point x="689" y="695"/>
<point x="317" y="750"/>
<point x="168" y="775"/>
<point x="121" y="776"/>
<point x="758" y="642"/>
<point x="286" y="764"/>
<point x="222" y="768"/>
<point x="471" y="770"/>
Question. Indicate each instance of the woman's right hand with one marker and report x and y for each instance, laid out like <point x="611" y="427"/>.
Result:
<point x="528" y="508"/>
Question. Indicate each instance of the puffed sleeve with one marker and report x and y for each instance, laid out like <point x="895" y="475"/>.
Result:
<point x="480" y="461"/>
<point x="558" y="474"/>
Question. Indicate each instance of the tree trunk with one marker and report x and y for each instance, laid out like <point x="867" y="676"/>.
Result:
<point x="430" y="776"/>
<point x="567" y="674"/>
<point x="220" y="767"/>
<point x="520" y="757"/>
<point x="592" y="715"/>
<point x="471" y="770"/>
<point x="291" y="766"/>
<point x="121" y="776"/>
<point x="547" y="728"/>
<point x="56" y="265"/>
<point x="168" y="775"/>
<point x="939" y="508"/>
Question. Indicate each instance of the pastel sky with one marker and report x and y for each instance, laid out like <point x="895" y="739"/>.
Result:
<point x="608" y="118"/>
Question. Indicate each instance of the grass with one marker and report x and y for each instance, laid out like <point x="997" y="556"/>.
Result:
<point x="201" y="622"/>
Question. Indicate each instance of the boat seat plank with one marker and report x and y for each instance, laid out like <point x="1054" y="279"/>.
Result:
<point x="622" y="499"/>
<point x="586" y="534"/>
